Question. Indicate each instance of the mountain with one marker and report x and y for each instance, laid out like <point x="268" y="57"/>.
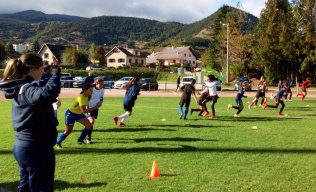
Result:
<point x="37" y="16"/>
<point x="34" y="25"/>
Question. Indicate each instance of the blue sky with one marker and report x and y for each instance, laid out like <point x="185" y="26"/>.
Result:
<point x="184" y="11"/>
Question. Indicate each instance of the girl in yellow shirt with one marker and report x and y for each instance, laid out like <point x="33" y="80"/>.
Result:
<point x="77" y="113"/>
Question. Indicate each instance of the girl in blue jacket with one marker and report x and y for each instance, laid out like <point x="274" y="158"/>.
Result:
<point x="33" y="120"/>
<point x="132" y="90"/>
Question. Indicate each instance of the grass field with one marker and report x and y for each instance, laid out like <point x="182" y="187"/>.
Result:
<point x="200" y="154"/>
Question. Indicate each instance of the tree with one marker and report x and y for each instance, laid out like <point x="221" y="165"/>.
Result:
<point x="3" y="52"/>
<point x="34" y="47"/>
<point x="67" y="56"/>
<point x="74" y="56"/>
<point x="101" y="56"/>
<point x="274" y="35"/>
<point x="93" y="54"/>
<point x="305" y="16"/>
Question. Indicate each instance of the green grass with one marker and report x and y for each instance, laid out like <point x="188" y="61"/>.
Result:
<point x="200" y="154"/>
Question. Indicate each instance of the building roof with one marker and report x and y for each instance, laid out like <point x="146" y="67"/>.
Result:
<point x="57" y="50"/>
<point x="127" y="52"/>
<point x="170" y="53"/>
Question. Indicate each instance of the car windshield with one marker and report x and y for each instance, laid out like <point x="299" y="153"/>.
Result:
<point x="107" y="79"/>
<point x="187" y="79"/>
<point x="242" y="79"/>
<point x="145" y="80"/>
<point x="125" y="79"/>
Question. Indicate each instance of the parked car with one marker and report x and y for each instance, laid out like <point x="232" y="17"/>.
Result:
<point x="65" y="75"/>
<point x="121" y="83"/>
<point x="149" y="84"/>
<point x="66" y="81"/>
<point x="108" y="82"/>
<point x="240" y="80"/>
<point x="93" y="68"/>
<point x="79" y="81"/>
<point x="186" y="80"/>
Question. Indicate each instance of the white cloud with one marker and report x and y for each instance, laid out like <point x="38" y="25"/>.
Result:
<point x="184" y="11"/>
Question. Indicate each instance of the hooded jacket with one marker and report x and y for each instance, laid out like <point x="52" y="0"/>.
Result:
<point x="32" y="111"/>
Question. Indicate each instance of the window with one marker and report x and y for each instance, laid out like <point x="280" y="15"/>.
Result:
<point x="189" y="55"/>
<point x="130" y="60"/>
<point x="136" y="61"/>
<point x="185" y="54"/>
<point x="193" y="62"/>
<point x="142" y="61"/>
<point x="111" y="60"/>
<point x="174" y="61"/>
<point x="46" y="55"/>
<point x="121" y="60"/>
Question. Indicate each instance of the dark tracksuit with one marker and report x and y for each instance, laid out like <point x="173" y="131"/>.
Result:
<point x="130" y="97"/>
<point x="238" y="99"/>
<point x="35" y="130"/>
<point x="188" y="90"/>
<point x="278" y="100"/>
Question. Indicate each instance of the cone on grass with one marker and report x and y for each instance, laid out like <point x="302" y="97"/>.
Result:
<point x="154" y="170"/>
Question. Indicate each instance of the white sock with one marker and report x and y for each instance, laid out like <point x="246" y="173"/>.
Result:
<point x="123" y="116"/>
<point x="123" y="120"/>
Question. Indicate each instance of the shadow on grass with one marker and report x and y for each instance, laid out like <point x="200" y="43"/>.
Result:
<point x="126" y="129"/>
<point x="177" y="139"/>
<point x="191" y="126"/>
<point x="256" y="119"/>
<point x="59" y="185"/>
<point x="178" y="149"/>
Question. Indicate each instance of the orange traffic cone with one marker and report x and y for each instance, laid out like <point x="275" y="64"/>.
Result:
<point x="154" y="170"/>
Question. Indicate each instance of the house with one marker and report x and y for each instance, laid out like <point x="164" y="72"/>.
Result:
<point x="51" y="54"/>
<point x="121" y="57"/>
<point x="20" y="47"/>
<point x="173" y="55"/>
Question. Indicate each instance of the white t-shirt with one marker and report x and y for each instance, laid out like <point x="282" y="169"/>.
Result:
<point x="211" y="87"/>
<point x="96" y="97"/>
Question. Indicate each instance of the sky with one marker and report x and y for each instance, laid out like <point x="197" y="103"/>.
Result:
<point x="183" y="11"/>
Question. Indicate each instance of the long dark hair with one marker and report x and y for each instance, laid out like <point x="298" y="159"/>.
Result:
<point x="134" y="80"/>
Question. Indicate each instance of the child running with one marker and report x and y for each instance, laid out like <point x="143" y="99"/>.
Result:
<point x="96" y="97"/>
<point x="288" y="91"/>
<point x="202" y="102"/>
<point x="132" y="90"/>
<point x="262" y="85"/>
<point x="76" y="113"/>
<point x="238" y="99"/>
<point x="188" y="90"/>
<point x="304" y="89"/>
<point x="211" y="85"/>
<point x="278" y="100"/>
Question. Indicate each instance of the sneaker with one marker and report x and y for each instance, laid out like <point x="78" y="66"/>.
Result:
<point x="185" y="118"/>
<point x="206" y="114"/>
<point x="280" y="115"/>
<point x="80" y="142"/>
<point x="89" y="141"/>
<point x="122" y="124"/>
<point x="213" y="117"/>
<point x="229" y="106"/>
<point x="115" y="120"/>
<point x="236" y="115"/>
<point x="191" y="111"/>
<point x="303" y="97"/>
<point x="58" y="146"/>
<point x="180" y="117"/>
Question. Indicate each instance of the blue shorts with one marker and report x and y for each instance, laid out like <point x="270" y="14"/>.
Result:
<point x="71" y="118"/>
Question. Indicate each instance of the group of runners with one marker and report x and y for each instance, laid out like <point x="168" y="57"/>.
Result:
<point x="209" y="94"/>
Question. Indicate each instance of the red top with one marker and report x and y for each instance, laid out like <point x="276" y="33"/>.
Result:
<point x="305" y="84"/>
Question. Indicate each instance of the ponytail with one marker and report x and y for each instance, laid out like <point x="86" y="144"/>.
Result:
<point x="18" y="68"/>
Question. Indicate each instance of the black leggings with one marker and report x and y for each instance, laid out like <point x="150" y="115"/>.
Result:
<point x="240" y="107"/>
<point x="277" y="105"/>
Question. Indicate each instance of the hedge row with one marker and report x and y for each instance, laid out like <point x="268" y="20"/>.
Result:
<point x="117" y="74"/>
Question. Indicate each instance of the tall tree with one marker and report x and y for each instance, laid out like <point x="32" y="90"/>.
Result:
<point x="274" y="34"/>
<point x="74" y="56"/>
<point x="101" y="56"/>
<point x="3" y="52"/>
<point x="305" y="15"/>
<point x="93" y="54"/>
